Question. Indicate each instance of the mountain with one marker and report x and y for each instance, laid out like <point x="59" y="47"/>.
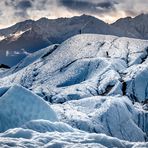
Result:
<point x="137" y="26"/>
<point x="95" y="85"/>
<point x="26" y="37"/>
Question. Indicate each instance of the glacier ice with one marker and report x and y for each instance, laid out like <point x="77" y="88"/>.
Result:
<point x="88" y="85"/>
<point x="18" y="106"/>
<point x="43" y="126"/>
<point x="80" y="61"/>
<point x="114" y="116"/>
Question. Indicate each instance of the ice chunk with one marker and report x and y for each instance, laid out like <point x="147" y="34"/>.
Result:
<point x="43" y="126"/>
<point x="18" y="105"/>
<point x="114" y="116"/>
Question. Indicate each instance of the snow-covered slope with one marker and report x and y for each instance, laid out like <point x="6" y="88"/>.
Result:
<point x="3" y="68"/>
<point x="94" y="84"/>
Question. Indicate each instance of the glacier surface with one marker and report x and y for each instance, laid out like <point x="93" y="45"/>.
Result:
<point x="89" y="91"/>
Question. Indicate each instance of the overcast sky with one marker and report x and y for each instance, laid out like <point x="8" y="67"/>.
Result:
<point x="12" y="11"/>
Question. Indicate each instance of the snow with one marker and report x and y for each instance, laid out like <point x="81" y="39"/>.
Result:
<point x="18" y="106"/>
<point x="2" y="70"/>
<point x="18" y="34"/>
<point x="2" y="38"/>
<point x="28" y="138"/>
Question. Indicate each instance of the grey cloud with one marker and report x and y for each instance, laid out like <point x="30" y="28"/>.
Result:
<point x="22" y="7"/>
<point x="132" y="7"/>
<point x="106" y="5"/>
<point x="19" y="4"/>
<point x="99" y="7"/>
<point x="1" y="13"/>
<point x="93" y="7"/>
<point x="24" y="4"/>
<point x="19" y="7"/>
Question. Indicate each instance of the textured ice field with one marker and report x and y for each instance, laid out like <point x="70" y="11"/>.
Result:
<point x="82" y="92"/>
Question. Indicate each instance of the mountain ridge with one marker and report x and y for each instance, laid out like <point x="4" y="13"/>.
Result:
<point x="26" y="37"/>
<point x="137" y="25"/>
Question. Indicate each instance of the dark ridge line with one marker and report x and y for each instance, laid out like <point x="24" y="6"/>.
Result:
<point x="50" y="52"/>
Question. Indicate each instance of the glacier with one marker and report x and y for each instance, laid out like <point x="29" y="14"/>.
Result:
<point x="89" y="91"/>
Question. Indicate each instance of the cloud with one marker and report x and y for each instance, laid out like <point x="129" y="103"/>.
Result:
<point x="12" y="11"/>
<point x="93" y="7"/>
<point x="22" y="7"/>
<point x="19" y="7"/>
<point x="105" y="5"/>
<point x="133" y="7"/>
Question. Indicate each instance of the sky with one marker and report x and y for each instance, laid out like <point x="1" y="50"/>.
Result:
<point x="13" y="11"/>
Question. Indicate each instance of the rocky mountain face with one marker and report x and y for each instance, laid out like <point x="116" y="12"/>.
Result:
<point x="26" y="37"/>
<point x="137" y="26"/>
